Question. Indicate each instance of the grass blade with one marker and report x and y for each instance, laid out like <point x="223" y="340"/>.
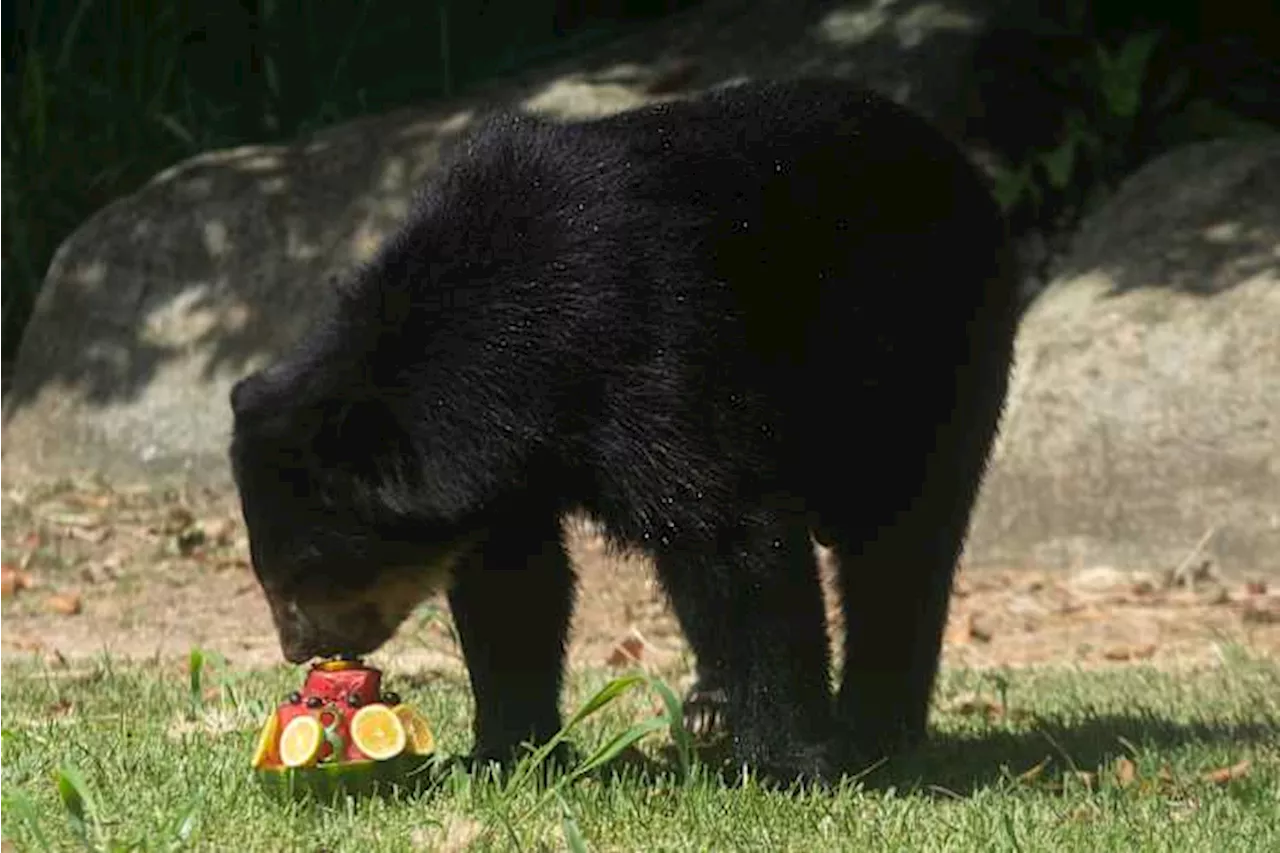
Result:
<point x="77" y="799"/>
<point x="20" y="805"/>
<point x="675" y="726"/>
<point x="573" y="838"/>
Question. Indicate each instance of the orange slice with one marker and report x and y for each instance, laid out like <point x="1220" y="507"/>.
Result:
<point x="421" y="741"/>
<point x="337" y="664"/>
<point x="300" y="741"/>
<point x="377" y="732"/>
<point x="266" y="740"/>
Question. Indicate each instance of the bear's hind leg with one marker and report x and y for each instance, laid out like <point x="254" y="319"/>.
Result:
<point x="752" y="610"/>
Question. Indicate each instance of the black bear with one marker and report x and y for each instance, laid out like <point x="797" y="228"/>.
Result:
<point x="717" y="327"/>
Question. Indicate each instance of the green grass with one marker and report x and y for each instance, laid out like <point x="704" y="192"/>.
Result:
<point x="148" y="757"/>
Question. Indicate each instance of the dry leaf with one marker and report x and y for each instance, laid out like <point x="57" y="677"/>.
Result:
<point x="627" y="652"/>
<point x="980" y="630"/>
<point x="1126" y="772"/>
<point x="957" y="630"/>
<point x="178" y="519"/>
<point x="221" y="532"/>
<point x="973" y="704"/>
<point x="1226" y="774"/>
<point x="65" y="603"/>
<point x="1183" y="809"/>
<point x="13" y="580"/>
<point x="1142" y="588"/>
<point x="455" y="834"/>
<point x="1086" y="778"/>
<point x="1030" y="775"/>
<point x="1083" y="812"/>
<point x="1123" y="653"/>
<point x="1264" y="612"/>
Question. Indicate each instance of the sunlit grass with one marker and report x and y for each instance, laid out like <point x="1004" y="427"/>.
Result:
<point x="146" y="757"/>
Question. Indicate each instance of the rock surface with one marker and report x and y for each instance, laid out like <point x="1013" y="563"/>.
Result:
<point x="158" y="303"/>
<point x="1144" y="415"/>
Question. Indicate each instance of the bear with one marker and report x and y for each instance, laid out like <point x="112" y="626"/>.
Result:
<point x="722" y="327"/>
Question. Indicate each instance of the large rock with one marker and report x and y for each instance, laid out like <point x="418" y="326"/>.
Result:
<point x="160" y="301"/>
<point x="1145" y="409"/>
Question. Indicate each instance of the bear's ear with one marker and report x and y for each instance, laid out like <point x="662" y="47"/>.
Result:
<point x="249" y="394"/>
<point x="271" y="402"/>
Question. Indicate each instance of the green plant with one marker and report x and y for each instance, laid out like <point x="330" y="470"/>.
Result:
<point x="1126" y="109"/>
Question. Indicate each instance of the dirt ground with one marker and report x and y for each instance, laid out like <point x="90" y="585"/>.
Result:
<point x="139" y="574"/>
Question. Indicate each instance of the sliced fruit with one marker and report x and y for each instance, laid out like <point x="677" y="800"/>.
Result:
<point x="377" y="732"/>
<point x="338" y="664"/>
<point x="300" y="741"/>
<point x="266" y="740"/>
<point x="353" y="778"/>
<point x="421" y="740"/>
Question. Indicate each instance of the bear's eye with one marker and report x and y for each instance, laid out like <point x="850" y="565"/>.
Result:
<point x="354" y="700"/>
<point x="295" y="697"/>
<point x="314" y="701"/>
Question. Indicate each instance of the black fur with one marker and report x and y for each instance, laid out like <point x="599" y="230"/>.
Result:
<point x="713" y="326"/>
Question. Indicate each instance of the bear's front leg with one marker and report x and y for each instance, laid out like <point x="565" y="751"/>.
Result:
<point x="511" y="601"/>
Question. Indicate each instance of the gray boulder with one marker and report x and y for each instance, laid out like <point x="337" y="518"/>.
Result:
<point x="159" y="302"/>
<point x="1144" y="416"/>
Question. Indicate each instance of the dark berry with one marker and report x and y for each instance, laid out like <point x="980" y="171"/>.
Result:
<point x="390" y="698"/>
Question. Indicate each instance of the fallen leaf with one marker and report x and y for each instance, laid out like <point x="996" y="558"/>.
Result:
<point x="974" y="704"/>
<point x="13" y="580"/>
<point x="178" y="519"/>
<point x="1123" y="653"/>
<point x="91" y="535"/>
<point x="189" y="539"/>
<point x="1033" y="773"/>
<point x="1082" y="813"/>
<point x="1142" y="588"/>
<point x="65" y="603"/>
<point x="1226" y="774"/>
<point x="1264" y="612"/>
<point x="1086" y="778"/>
<point x="1181" y="810"/>
<point x="1126" y="772"/>
<point x="957" y="631"/>
<point x="627" y="652"/>
<point x="221" y="531"/>
<point x="455" y="834"/>
<point x="1098" y="579"/>
<point x="83" y="521"/>
<point x="980" y="629"/>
